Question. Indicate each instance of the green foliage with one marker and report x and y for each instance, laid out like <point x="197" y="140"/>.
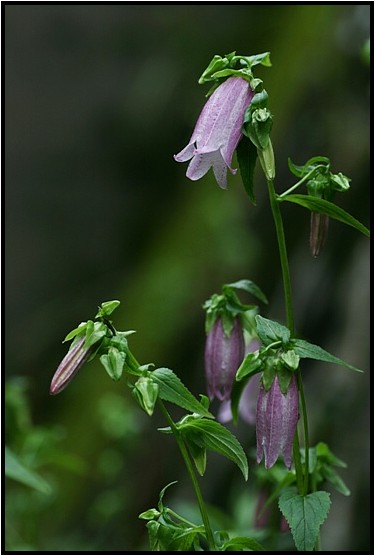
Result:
<point x="16" y="470"/>
<point x="171" y="389"/>
<point x="305" y="515"/>
<point x="211" y="435"/>
<point x="305" y="350"/>
<point x="326" y="207"/>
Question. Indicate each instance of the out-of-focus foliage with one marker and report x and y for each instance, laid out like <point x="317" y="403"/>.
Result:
<point x="98" y="99"/>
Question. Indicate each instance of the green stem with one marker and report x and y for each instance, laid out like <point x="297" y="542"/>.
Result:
<point x="194" y="480"/>
<point x="300" y="182"/>
<point x="302" y="481"/>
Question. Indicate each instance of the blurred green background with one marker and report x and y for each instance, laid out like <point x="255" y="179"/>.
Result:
<point x="98" y="98"/>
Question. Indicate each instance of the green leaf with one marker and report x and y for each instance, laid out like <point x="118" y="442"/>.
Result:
<point x="173" y="390"/>
<point x="247" y="157"/>
<point x="305" y="350"/>
<point x="214" y="436"/>
<point x="334" y="478"/>
<point x="199" y="455"/>
<point x="249" y="287"/>
<point x="305" y="515"/>
<point x="323" y="452"/>
<point x="106" y="308"/>
<point x="315" y="204"/>
<point x="270" y="331"/>
<point x="238" y="544"/>
<point x="16" y="470"/>
<point x="113" y="362"/>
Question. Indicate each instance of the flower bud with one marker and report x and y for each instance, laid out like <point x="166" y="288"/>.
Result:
<point x="276" y="422"/>
<point x="223" y="356"/>
<point x="69" y="366"/>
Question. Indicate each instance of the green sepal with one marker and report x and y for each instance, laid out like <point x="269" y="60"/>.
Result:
<point x="250" y="366"/>
<point x="285" y="376"/>
<point x="322" y="206"/>
<point x="269" y="373"/>
<point x="267" y="161"/>
<point x="291" y="359"/>
<point x="146" y="393"/>
<point x="113" y="362"/>
<point x="305" y="515"/>
<point x="312" y="163"/>
<point x="247" y="157"/>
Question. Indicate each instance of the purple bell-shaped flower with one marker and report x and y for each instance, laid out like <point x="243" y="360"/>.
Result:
<point x="218" y="131"/>
<point x="223" y="356"/>
<point x="276" y="422"/>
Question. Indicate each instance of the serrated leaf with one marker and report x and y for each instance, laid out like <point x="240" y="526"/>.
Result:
<point x="305" y="350"/>
<point x="247" y="157"/>
<point x="171" y="389"/>
<point x="238" y="544"/>
<point x="249" y="366"/>
<point x="15" y="469"/>
<point x="315" y="204"/>
<point x="305" y="515"/>
<point x="214" y="436"/>
<point x="249" y="287"/>
<point x="270" y="331"/>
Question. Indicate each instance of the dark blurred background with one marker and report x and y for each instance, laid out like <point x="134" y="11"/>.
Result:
<point x="98" y="98"/>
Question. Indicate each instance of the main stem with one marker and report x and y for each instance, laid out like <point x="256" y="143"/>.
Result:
<point x="302" y="481"/>
<point x="193" y="476"/>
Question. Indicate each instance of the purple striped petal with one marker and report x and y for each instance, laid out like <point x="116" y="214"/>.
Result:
<point x="276" y="422"/>
<point x="218" y="131"/>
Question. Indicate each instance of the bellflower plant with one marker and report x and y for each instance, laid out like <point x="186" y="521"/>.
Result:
<point x="218" y="131"/>
<point x="236" y="117"/>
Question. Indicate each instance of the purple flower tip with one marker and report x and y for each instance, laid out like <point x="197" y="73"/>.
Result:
<point x="218" y="131"/>
<point x="69" y="366"/>
<point x="276" y="422"/>
<point x="223" y="356"/>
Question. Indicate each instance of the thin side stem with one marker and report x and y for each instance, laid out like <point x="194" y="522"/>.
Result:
<point x="194" y="480"/>
<point x="302" y="481"/>
<point x="300" y="182"/>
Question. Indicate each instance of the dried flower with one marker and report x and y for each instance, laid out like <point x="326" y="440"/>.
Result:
<point x="276" y="422"/>
<point x="223" y="356"/>
<point x="69" y="366"/>
<point x="218" y="131"/>
<point x="318" y="232"/>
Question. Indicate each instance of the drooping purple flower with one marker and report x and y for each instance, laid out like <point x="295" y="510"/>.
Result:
<point x="276" y="422"/>
<point x="69" y="366"/>
<point x="223" y="356"/>
<point x="218" y="131"/>
<point x="248" y="401"/>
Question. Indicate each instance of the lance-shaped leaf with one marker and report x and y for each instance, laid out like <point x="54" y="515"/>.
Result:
<point x="247" y="157"/>
<point x="326" y="207"/>
<point x="16" y="470"/>
<point x="305" y="350"/>
<point x="270" y="331"/>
